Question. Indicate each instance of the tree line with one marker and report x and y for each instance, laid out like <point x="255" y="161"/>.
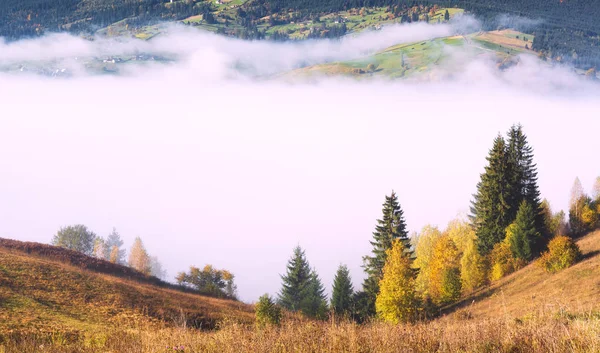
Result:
<point x="207" y="281"/>
<point x="413" y="278"/>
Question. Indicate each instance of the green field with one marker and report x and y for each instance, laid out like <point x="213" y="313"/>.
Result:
<point x="405" y="60"/>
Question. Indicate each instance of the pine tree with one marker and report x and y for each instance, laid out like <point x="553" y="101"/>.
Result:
<point x="138" y="257"/>
<point x="490" y="210"/>
<point x="522" y="233"/>
<point x="267" y="312"/>
<point x="114" y="240"/>
<point x="523" y="183"/>
<point x="341" y="295"/>
<point x="446" y="16"/>
<point x="390" y="228"/>
<point x="314" y="301"/>
<point x="397" y="300"/>
<point x="295" y="281"/>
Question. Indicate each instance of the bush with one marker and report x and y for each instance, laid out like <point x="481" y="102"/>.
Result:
<point x="562" y="253"/>
<point x="267" y="312"/>
<point x="503" y="262"/>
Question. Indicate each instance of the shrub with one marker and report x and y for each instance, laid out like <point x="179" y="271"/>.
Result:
<point x="267" y="312"/>
<point x="503" y="262"/>
<point x="562" y="253"/>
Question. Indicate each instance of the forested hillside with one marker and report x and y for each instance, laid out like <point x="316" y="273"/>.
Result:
<point x="567" y="30"/>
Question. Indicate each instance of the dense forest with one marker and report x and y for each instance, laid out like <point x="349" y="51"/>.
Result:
<point x="567" y="30"/>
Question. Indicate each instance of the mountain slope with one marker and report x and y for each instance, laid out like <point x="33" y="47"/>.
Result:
<point x="39" y="293"/>
<point x="533" y="292"/>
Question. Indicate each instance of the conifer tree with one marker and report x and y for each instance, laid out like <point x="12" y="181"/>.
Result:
<point x="138" y="257"/>
<point x="397" y="301"/>
<point x="523" y="232"/>
<point x="302" y="289"/>
<point x="446" y="16"/>
<point x="114" y="240"/>
<point x="341" y="295"/>
<point x="390" y="228"/>
<point x="314" y="302"/>
<point x="523" y="183"/>
<point x="490" y="210"/>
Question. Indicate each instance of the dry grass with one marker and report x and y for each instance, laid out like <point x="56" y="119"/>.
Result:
<point x="46" y="306"/>
<point x="532" y="291"/>
<point x="491" y="335"/>
<point x="40" y="295"/>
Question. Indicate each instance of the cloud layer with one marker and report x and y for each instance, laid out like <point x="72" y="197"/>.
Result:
<point x="210" y="166"/>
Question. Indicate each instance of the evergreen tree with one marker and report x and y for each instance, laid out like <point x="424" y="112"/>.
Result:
<point x="523" y="232"/>
<point x="296" y="281"/>
<point x="523" y="183"/>
<point x="490" y="210"/>
<point x="114" y="240"/>
<point x="77" y="237"/>
<point x="390" y="228"/>
<point x="314" y="301"/>
<point x="446" y="16"/>
<point x="341" y="296"/>
<point x="267" y="312"/>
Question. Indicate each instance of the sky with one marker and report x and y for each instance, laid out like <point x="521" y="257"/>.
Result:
<point x="209" y="164"/>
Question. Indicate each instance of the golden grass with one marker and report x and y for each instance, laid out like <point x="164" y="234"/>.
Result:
<point x="551" y="334"/>
<point x="532" y="291"/>
<point x="41" y="295"/>
<point x="50" y="307"/>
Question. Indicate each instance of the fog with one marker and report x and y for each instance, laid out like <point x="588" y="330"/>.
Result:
<point x="211" y="159"/>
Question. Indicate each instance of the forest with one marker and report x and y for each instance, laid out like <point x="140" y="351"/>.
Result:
<point x="568" y="31"/>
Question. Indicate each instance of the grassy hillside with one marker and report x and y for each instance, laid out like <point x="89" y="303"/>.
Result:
<point x="49" y="306"/>
<point x="410" y="59"/>
<point x="49" y="289"/>
<point x="531" y="292"/>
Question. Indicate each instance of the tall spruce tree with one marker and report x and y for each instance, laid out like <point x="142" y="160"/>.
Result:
<point x="490" y="210"/>
<point x="314" y="301"/>
<point x="390" y="228"/>
<point x="302" y="290"/>
<point x="295" y="281"/>
<point x="524" y="232"/>
<point x="523" y="183"/>
<point x="341" y="296"/>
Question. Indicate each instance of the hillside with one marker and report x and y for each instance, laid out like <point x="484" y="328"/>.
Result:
<point x="429" y="58"/>
<point x="50" y="289"/>
<point x="531" y="292"/>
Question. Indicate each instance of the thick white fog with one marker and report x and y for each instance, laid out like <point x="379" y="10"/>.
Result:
<point x="208" y="165"/>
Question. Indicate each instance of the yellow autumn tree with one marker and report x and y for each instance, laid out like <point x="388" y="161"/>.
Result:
<point x="589" y="217"/>
<point x="397" y="301"/>
<point x="473" y="268"/>
<point x="424" y="243"/>
<point x="444" y="277"/>
<point x="461" y="232"/>
<point x="503" y="262"/>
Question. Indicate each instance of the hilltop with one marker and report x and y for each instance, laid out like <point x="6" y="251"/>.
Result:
<point x="50" y="289"/>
